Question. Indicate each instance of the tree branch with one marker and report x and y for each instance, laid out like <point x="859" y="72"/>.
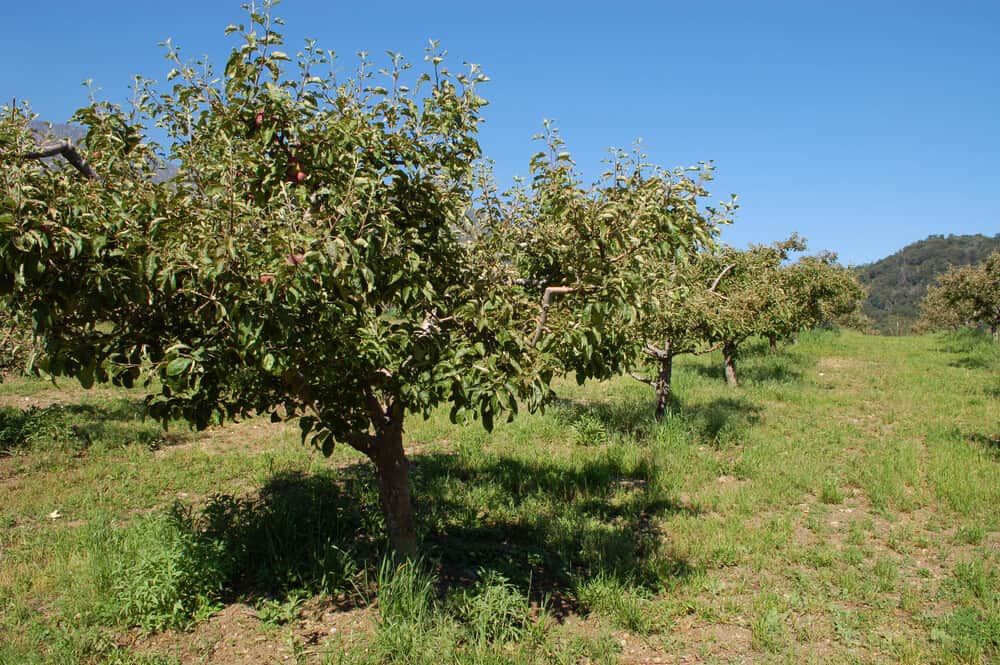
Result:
<point x="641" y="379"/>
<point x="533" y="283"/>
<point x="714" y="347"/>
<point x="432" y="323"/>
<point x="69" y="153"/>
<point x="546" y="301"/>
<point x="363" y="442"/>
<point x="654" y="351"/>
<point x="381" y="412"/>
<point x="716" y="281"/>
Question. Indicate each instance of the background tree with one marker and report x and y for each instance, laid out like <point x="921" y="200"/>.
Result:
<point x="817" y="290"/>
<point x="588" y="252"/>
<point x="967" y="295"/>
<point x="751" y="299"/>
<point x="675" y="320"/>
<point x="938" y="313"/>
<point x="320" y="254"/>
<point x="896" y="284"/>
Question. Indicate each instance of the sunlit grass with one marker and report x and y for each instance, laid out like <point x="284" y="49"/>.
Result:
<point x="839" y="506"/>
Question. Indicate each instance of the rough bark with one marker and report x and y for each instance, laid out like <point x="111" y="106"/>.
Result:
<point x="662" y="386"/>
<point x="393" y="472"/>
<point x="729" y="357"/>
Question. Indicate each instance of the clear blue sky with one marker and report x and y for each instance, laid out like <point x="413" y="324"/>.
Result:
<point x="864" y="126"/>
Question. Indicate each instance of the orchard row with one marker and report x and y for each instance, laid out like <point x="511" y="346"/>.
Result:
<point x="337" y="251"/>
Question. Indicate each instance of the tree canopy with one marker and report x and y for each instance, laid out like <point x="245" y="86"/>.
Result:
<point x="965" y="296"/>
<point x="720" y="296"/>
<point x="332" y="250"/>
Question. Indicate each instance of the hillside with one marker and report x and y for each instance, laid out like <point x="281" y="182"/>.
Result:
<point x="59" y="130"/>
<point x="897" y="283"/>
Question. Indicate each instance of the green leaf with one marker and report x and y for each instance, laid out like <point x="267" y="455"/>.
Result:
<point x="306" y="424"/>
<point x="327" y="446"/>
<point x="178" y="366"/>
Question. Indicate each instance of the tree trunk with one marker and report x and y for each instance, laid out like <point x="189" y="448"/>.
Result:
<point x="393" y="473"/>
<point x="662" y="385"/>
<point x="772" y="342"/>
<point x="729" y="357"/>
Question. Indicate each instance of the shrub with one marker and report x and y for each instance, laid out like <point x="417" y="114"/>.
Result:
<point x="493" y="611"/>
<point x="167" y="576"/>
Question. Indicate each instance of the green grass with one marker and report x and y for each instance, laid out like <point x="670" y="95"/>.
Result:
<point x="840" y="506"/>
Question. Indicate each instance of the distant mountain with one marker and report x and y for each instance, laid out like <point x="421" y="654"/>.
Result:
<point x="58" y="130"/>
<point x="898" y="283"/>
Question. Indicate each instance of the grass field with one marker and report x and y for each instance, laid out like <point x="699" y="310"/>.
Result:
<point x="842" y="506"/>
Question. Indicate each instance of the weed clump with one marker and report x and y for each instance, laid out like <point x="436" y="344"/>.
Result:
<point x="612" y="598"/>
<point x="35" y="429"/>
<point x="167" y="575"/>
<point x="493" y="610"/>
<point x="830" y="492"/>
<point x="588" y="430"/>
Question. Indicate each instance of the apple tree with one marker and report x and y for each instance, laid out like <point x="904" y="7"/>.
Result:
<point x="593" y="254"/>
<point x="937" y="312"/>
<point x="329" y="250"/>
<point x="967" y="295"/>
<point x="817" y="290"/>
<point x="750" y="299"/>
<point x="675" y="321"/>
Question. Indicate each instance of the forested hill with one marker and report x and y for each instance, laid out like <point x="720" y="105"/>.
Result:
<point x="897" y="283"/>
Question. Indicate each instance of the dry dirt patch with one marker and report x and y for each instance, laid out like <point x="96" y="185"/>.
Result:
<point x="839" y="363"/>
<point x="237" y="636"/>
<point x="248" y="435"/>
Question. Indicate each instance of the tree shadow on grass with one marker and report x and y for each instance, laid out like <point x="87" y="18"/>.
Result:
<point x="77" y="427"/>
<point x="763" y="367"/>
<point x="630" y="419"/>
<point x="975" y="349"/>
<point x="971" y="361"/>
<point x="299" y="532"/>
<point x="772" y="369"/>
<point x="586" y="520"/>
<point x="721" y="421"/>
<point x="990" y="443"/>
<point x="542" y="526"/>
<point x="756" y="348"/>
